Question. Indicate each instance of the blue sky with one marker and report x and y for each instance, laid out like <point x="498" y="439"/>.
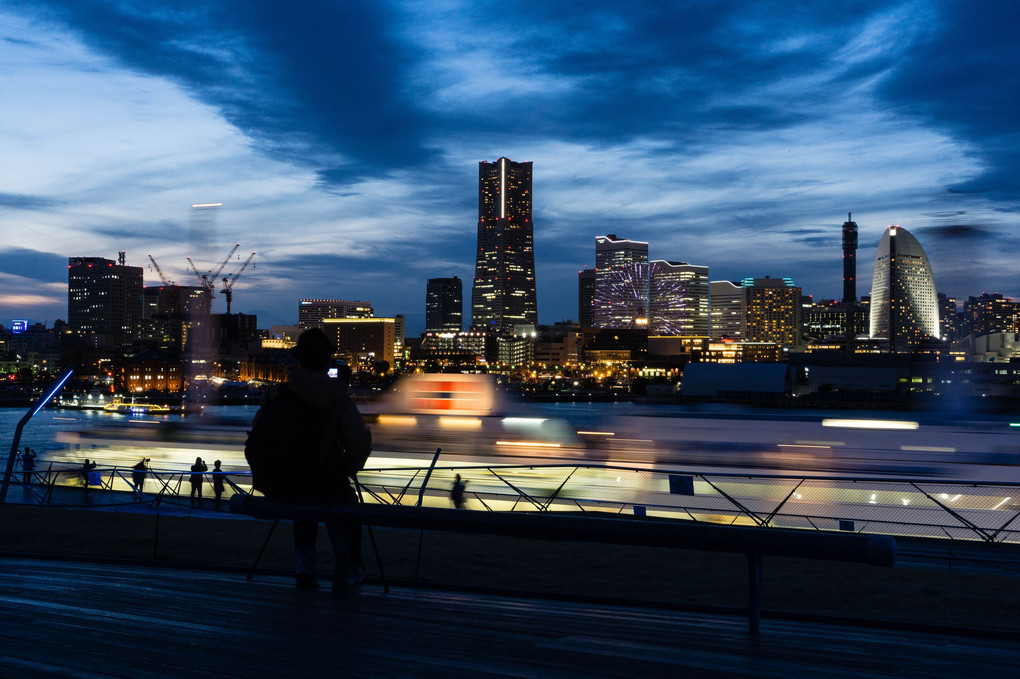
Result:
<point x="343" y="139"/>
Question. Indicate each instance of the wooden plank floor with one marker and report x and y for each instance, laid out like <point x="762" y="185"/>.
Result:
<point x="72" y="619"/>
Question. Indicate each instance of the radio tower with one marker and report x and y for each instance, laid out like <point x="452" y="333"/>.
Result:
<point x="849" y="260"/>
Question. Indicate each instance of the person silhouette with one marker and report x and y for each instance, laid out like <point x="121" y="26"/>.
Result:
<point x="138" y="474"/>
<point x="27" y="465"/>
<point x="196" y="479"/>
<point x="457" y="492"/>
<point x="86" y="473"/>
<point x="217" y="482"/>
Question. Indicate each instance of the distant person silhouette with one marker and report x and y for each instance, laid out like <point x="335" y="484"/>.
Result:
<point x="196" y="479"/>
<point x="217" y="482"/>
<point x="138" y="474"/>
<point x="457" y="493"/>
<point x="27" y="465"/>
<point x="86" y="473"/>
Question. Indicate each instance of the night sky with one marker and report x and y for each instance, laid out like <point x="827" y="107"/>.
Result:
<point x="343" y="140"/>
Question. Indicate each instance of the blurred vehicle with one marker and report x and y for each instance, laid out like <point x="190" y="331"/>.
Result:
<point x="465" y="415"/>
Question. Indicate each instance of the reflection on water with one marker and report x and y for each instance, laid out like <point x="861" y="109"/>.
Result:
<point x="676" y="437"/>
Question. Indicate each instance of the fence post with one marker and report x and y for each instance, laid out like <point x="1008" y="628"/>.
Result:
<point x="421" y="496"/>
<point x="754" y="592"/>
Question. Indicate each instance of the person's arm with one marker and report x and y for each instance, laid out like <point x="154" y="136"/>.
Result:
<point x="357" y="437"/>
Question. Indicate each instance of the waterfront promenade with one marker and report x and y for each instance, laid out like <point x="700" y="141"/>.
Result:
<point x="80" y="619"/>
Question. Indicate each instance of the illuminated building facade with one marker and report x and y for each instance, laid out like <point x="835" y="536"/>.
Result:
<point x="504" y="287"/>
<point x="726" y="302"/>
<point x="678" y="299"/>
<point x="150" y="370"/>
<point x="313" y="312"/>
<point x="104" y="299"/>
<point x="362" y="342"/>
<point x="904" y="303"/>
<point x="621" y="282"/>
<point x="586" y="298"/>
<point x="950" y="319"/>
<point x="989" y="313"/>
<point x="444" y="304"/>
<point x="772" y="311"/>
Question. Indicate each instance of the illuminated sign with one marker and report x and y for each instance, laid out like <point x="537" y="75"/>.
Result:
<point x="19" y="326"/>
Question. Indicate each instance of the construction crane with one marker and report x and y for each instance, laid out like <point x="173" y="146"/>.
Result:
<point x="230" y="279"/>
<point x="172" y="290"/>
<point x="166" y="281"/>
<point x="208" y="279"/>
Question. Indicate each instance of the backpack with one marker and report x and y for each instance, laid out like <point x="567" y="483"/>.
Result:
<point x="282" y="448"/>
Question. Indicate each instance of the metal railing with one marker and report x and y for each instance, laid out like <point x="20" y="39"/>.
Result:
<point x="965" y="511"/>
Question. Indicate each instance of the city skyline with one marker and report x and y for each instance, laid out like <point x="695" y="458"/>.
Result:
<point x="721" y="134"/>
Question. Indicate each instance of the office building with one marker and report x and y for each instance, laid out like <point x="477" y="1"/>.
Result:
<point x="950" y="318"/>
<point x="772" y="311"/>
<point x="678" y="299"/>
<point x="104" y="299"/>
<point x="504" y="287"/>
<point x="586" y="298"/>
<point x="849" y="260"/>
<point x="989" y="313"/>
<point x="363" y="343"/>
<point x="726" y="302"/>
<point x="444" y="304"/>
<point x="621" y="282"/>
<point x="904" y="303"/>
<point x="313" y="312"/>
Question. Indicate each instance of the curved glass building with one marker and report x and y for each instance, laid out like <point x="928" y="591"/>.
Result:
<point x="904" y="304"/>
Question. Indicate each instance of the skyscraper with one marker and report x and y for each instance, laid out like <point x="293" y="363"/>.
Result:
<point x="586" y="298"/>
<point x="728" y="308"/>
<point x="772" y="311"/>
<point x="678" y="299"/>
<point x="104" y="299"/>
<point x="621" y="282"/>
<point x="904" y="304"/>
<point x="849" y="260"/>
<point x="504" y="288"/>
<point x="444" y="304"/>
<point x="312" y="313"/>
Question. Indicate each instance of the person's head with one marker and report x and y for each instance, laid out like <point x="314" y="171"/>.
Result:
<point x="216" y="464"/>
<point x="458" y="477"/>
<point x="314" y="350"/>
<point x="198" y="460"/>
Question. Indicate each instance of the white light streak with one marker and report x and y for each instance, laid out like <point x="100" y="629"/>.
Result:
<point x="528" y="444"/>
<point x="870" y="424"/>
<point x="460" y="422"/>
<point x="400" y="420"/>
<point x="1004" y="501"/>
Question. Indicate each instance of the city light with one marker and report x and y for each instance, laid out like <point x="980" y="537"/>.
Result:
<point x="870" y="424"/>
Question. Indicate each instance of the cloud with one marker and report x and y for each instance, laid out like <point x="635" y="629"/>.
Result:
<point x="23" y="202"/>
<point x="964" y="78"/>
<point x="45" y="267"/>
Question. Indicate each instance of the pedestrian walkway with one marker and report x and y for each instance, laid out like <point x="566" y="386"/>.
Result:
<point x="66" y="618"/>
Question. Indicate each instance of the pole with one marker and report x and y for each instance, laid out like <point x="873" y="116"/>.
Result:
<point x="36" y="407"/>
<point x="421" y="496"/>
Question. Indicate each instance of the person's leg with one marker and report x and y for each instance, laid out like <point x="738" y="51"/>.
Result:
<point x="305" y="533"/>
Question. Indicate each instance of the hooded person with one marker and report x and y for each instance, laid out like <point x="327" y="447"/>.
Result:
<point x="341" y="437"/>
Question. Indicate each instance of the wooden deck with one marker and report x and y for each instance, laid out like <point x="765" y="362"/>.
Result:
<point x="73" y="619"/>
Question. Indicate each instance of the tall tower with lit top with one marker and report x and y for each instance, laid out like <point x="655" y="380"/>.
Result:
<point x="849" y="260"/>
<point x="504" y="287"/>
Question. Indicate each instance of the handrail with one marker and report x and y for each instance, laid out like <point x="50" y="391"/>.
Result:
<point x="876" y="550"/>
